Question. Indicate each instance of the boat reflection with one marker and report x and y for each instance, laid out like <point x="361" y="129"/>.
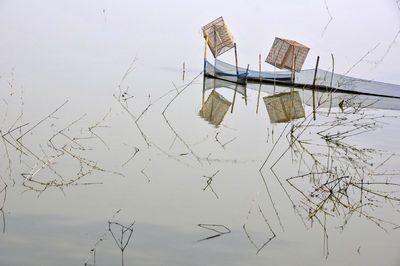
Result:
<point x="324" y="98"/>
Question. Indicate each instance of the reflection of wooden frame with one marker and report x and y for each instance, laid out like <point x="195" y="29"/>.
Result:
<point x="215" y="108"/>
<point x="284" y="107"/>
<point x="282" y="52"/>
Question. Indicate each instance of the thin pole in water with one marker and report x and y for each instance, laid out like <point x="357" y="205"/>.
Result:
<point x="245" y="85"/>
<point x="215" y="50"/>
<point x="313" y="92"/>
<point x="234" y="97"/>
<point x="237" y="73"/>
<point x="236" y="59"/>
<point x="259" y="89"/>
<point x="204" y="76"/>
<point x="183" y="71"/>
<point x="292" y="88"/>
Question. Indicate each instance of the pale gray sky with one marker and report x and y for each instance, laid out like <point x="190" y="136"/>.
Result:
<point x="166" y="33"/>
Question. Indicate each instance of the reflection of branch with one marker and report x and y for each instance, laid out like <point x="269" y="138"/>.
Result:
<point x="267" y="223"/>
<point x="289" y="197"/>
<point x="62" y="130"/>
<point x="273" y="148"/>
<point x="209" y="180"/>
<point x="142" y="171"/>
<point x="130" y="158"/>
<point x="33" y="183"/>
<point x="247" y="219"/>
<point x="272" y="201"/>
<point x="330" y="18"/>
<point x="343" y="181"/>
<point x="128" y="71"/>
<point x="170" y="126"/>
<point x="18" y="141"/>
<point x="98" y="241"/>
<point x="121" y="243"/>
<point x="96" y="125"/>
<point x="170" y="156"/>
<point x="208" y="159"/>
<point x="3" y="190"/>
<point x="220" y="143"/>
<point x="270" y="229"/>
<point x="332" y="188"/>
<point x="326" y="237"/>
<point x="7" y="154"/>
<point x="41" y="121"/>
<point x="93" y="250"/>
<point x="90" y="163"/>
<point x="145" y="110"/>
<point x="48" y="160"/>
<point x="263" y="178"/>
<point x="122" y="97"/>
<point x="220" y="229"/>
<point x="172" y="143"/>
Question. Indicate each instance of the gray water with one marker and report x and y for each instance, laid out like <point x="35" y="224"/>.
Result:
<point x="58" y="200"/>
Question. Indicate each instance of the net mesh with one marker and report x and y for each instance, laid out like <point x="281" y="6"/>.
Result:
<point x="324" y="98"/>
<point x="281" y="54"/>
<point x="324" y="79"/>
<point x="225" y="71"/>
<point x="212" y="83"/>
<point x="220" y="38"/>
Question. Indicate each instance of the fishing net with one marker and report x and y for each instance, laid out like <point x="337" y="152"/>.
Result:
<point x="324" y="98"/>
<point x="282" y="51"/>
<point x="212" y="84"/>
<point x="225" y="71"/>
<point x="220" y="39"/>
<point x="325" y="80"/>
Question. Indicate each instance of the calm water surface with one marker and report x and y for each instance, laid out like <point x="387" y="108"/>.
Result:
<point x="84" y="145"/>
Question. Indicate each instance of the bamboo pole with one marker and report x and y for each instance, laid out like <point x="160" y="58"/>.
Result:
<point x="293" y="63"/>
<point x="215" y="50"/>
<point x="330" y="85"/>
<point x="292" y="88"/>
<point x="205" y="49"/>
<point x="183" y="72"/>
<point x="259" y="89"/>
<point x="234" y="97"/>
<point x="236" y="60"/>
<point x="245" y="85"/>
<point x="204" y="76"/>
<point x="237" y="73"/>
<point x="313" y="92"/>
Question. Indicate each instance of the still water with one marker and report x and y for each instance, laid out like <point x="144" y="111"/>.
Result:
<point x="103" y="136"/>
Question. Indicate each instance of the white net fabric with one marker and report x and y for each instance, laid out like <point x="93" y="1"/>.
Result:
<point x="325" y="80"/>
<point x="325" y="98"/>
